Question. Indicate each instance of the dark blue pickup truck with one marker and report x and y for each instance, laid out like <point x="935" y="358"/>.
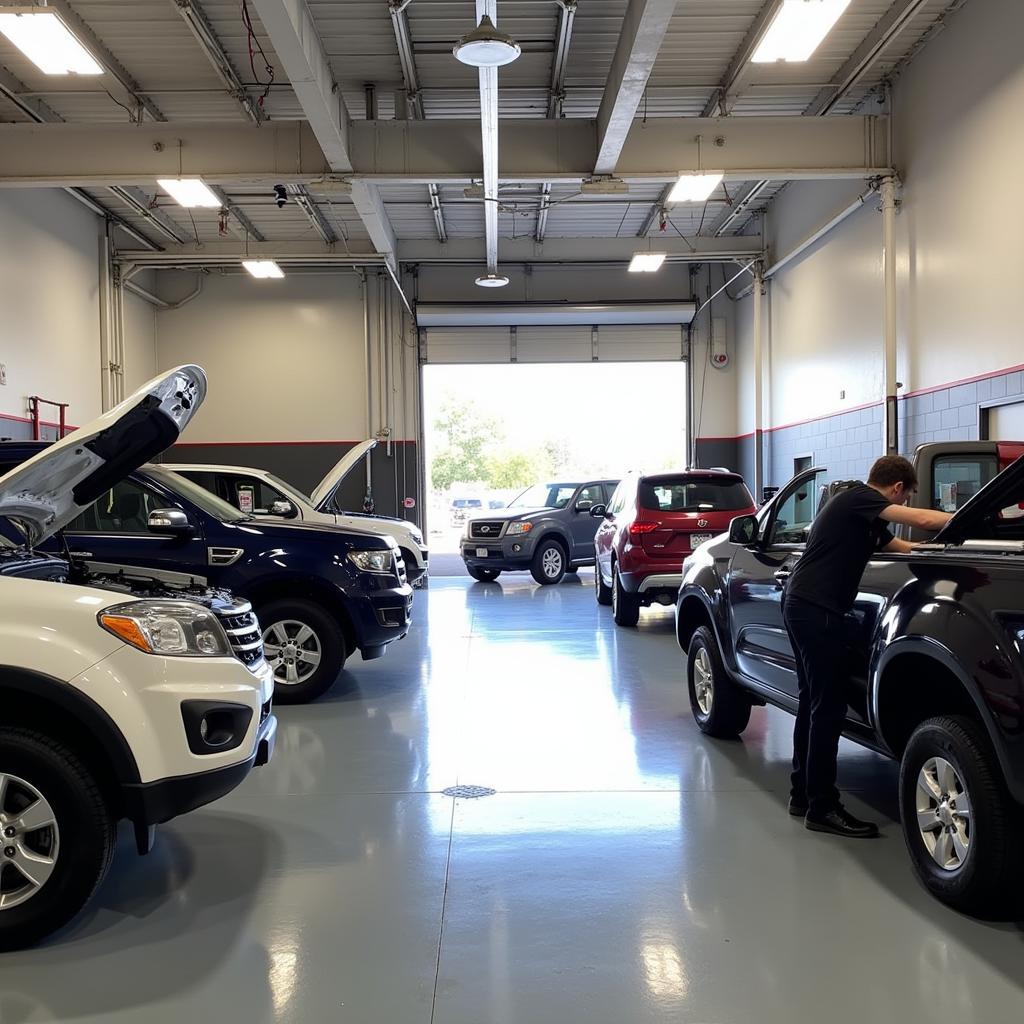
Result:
<point x="321" y="593"/>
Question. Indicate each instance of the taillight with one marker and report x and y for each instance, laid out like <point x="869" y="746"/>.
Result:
<point x="638" y="529"/>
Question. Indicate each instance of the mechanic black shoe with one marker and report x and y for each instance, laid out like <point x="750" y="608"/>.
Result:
<point x="797" y="808"/>
<point x="839" y="822"/>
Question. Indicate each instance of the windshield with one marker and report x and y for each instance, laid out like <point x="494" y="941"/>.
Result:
<point x="685" y="494"/>
<point x="207" y="501"/>
<point x="292" y="493"/>
<point x="545" y="496"/>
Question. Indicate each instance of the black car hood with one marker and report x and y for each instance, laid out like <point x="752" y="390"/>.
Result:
<point x="304" y="532"/>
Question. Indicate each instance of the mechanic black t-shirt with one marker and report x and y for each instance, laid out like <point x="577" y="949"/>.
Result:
<point x="845" y="534"/>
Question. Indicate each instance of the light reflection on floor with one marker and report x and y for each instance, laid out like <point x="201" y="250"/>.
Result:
<point x="627" y="869"/>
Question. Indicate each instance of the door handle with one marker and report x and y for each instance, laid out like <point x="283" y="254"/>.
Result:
<point x="783" y="574"/>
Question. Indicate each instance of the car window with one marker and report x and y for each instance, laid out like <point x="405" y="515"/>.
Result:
<point x="124" y="509"/>
<point x="955" y="478"/>
<point x="794" y="516"/>
<point x="618" y="499"/>
<point x="684" y="494"/>
<point x="591" y="493"/>
<point x="251" y="493"/>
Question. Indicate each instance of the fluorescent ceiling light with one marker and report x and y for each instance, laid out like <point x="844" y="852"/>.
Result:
<point x="646" y="262"/>
<point x="797" y="29"/>
<point x="40" y="34"/>
<point x="492" y="281"/>
<point x="486" y="46"/>
<point x="189" y="192"/>
<point x="695" y="188"/>
<point x="263" y="268"/>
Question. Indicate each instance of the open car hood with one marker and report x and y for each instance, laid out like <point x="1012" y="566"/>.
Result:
<point x="325" y="490"/>
<point x="45" y="493"/>
<point x="1001" y="500"/>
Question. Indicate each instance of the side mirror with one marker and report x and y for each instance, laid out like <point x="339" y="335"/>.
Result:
<point x="743" y="530"/>
<point x="282" y="509"/>
<point x="598" y="511"/>
<point x="171" y="522"/>
<point x="584" y="505"/>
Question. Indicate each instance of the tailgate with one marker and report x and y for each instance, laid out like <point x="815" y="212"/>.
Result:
<point x="675" y="538"/>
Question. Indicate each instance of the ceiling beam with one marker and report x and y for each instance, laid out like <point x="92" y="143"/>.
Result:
<point x="739" y="207"/>
<point x="140" y="204"/>
<point x="643" y="30"/>
<point x="294" y="36"/>
<point x="249" y="230"/>
<point x="122" y="87"/>
<point x="560" y="61"/>
<point x="421" y="152"/>
<point x="654" y="214"/>
<point x="199" y="25"/>
<point x="734" y="80"/>
<point x="542" y="212"/>
<point x="307" y="204"/>
<point x="887" y="28"/>
<point x="31" y="106"/>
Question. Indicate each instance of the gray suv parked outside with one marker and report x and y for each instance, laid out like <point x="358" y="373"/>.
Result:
<point x="547" y="530"/>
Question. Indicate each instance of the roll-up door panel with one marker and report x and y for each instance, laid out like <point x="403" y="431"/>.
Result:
<point x="654" y="343"/>
<point x="554" y="345"/>
<point x="468" y="345"/>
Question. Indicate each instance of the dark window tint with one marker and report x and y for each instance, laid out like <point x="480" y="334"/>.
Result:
<point x="125" y="510"/>
<point x="955" y="478"/>
<point x="250" y="493"/>
<point x="684" y="494"/>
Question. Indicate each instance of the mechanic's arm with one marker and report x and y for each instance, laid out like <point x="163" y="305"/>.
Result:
<point x="899" y="547"/>
<point x="923" y="518"/>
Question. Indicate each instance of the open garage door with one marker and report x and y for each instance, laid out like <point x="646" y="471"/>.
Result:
<point x="528" y="333"/>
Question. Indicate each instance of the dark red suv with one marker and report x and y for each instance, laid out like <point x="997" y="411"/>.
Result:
<point x="650" y="525"/>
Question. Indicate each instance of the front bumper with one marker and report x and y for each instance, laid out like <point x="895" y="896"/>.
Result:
<point x="502" y="553"/>
<point x="152" y="803"/>
<point x="380" y="617"/>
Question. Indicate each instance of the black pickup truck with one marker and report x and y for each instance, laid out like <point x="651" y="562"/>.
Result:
<point x="936" y="648"/>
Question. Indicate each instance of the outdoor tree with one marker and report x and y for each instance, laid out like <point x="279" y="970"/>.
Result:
<point x="511" y="470"/>
<point x="466" y="435"/>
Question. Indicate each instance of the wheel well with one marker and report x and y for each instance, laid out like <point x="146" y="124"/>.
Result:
<point x="913" y="688"/>
<point x="29" y="711"/>
<point x="692" y="615"/>
<point x="552" y="535"/>
<point x="308" y="590"/>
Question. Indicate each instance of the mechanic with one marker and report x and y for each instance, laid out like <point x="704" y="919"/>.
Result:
<point x="819" y="594"/>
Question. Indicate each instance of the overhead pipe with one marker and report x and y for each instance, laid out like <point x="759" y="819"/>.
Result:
<point x="758" y="287"/>
<point x="489" y="142"/>
<point x="890" y="421"/>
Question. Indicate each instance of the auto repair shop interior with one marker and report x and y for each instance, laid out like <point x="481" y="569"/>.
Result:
<point x="268" y="749"/>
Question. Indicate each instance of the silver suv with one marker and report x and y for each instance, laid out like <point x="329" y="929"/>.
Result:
<point x="547" y="530"/>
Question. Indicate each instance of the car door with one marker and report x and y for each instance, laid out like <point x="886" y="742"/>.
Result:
<point x="114" y="530"/>
<point x="756" y="579"/>
<point x="582" y="525"/>
<point x="604" y="537"/>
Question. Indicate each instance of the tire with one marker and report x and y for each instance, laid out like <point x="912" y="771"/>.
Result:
<point x="572" y="570"/>
<point x="982" y="874"/>
<point x="287" y="620"/>
<point x="602" y="592"/>
<point x="720" y="709"/>
<point x="549" y="563"/>
<point x="483" y="575"/>
<point x="625" y="607"/>
<point x="80" y="842"/>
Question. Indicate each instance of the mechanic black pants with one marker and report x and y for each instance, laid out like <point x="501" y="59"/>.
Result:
<point x="818" y="639"/>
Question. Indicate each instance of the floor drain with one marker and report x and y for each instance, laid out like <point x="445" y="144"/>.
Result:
<point x="468" y="792"/>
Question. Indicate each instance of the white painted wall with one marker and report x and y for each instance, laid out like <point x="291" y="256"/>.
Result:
<point x="139" y="336"/>
<point x="286" y="358"/>
<point x="49" y="303"/>
<point x="958" y="135"/>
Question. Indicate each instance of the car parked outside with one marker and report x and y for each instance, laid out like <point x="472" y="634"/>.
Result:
<point x="462" y="508"/>
<point x="651" y="524"/>
<point x="260" y="493"/>
<point x="321" y="593"/>
<point x="547" y="530"/>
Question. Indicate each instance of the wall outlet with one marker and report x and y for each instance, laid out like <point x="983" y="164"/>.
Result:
<point x="3" y="373"/>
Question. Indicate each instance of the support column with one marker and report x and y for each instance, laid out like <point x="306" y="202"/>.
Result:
<point x="758" y="297"/>
<point x="106" y="325"/>
<point x="890" y="419"/>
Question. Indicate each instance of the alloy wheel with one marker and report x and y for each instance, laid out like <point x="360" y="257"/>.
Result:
<point x="31" y="841"/>
<point x="551" y="563"/>
<point x="703" y="681"/>
<point x="944" y="813"/>
<point x="293" y="650"/>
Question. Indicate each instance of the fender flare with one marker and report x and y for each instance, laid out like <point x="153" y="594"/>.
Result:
<point x="93" y="719"/>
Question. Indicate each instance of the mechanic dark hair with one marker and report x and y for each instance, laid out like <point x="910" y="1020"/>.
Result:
<point x="893" y="469"/>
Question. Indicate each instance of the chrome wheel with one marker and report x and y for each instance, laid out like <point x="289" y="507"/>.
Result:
<point x="944" y="813"/>
<point x="293" y="650"/>
<point x="703" y="681"/>
<point x="551" y="563"/>
<point x="31" y="841"/>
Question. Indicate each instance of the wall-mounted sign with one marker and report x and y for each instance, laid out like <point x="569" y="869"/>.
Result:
<point x="409" y="502"/>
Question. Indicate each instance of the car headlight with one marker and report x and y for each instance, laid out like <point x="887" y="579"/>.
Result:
<point x="372" y="561"/>
<point x="417" y="534"/>
<point x="167" y="627"/>
<point x="516" y="529"/>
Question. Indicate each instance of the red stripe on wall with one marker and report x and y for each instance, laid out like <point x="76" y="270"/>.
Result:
<point x="10" y="417"/>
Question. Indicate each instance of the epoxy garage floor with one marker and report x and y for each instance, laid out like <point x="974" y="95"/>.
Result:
<point x="626" y="869"/>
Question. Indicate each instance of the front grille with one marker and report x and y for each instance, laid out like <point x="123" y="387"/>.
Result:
<point x="486" y="529"/>
<point x="400" y="569"/>
<point x="243" y="630"/>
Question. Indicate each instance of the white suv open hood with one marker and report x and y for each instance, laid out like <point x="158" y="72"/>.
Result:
<point x="45" y="493"/>
<point x="325" y="490"/>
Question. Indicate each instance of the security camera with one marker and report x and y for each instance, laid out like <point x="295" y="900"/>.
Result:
<point x="280" y="195"/>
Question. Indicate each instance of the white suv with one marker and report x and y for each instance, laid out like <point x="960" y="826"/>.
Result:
<point x="257" y="492"/>
<point x="133" y="695"/>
